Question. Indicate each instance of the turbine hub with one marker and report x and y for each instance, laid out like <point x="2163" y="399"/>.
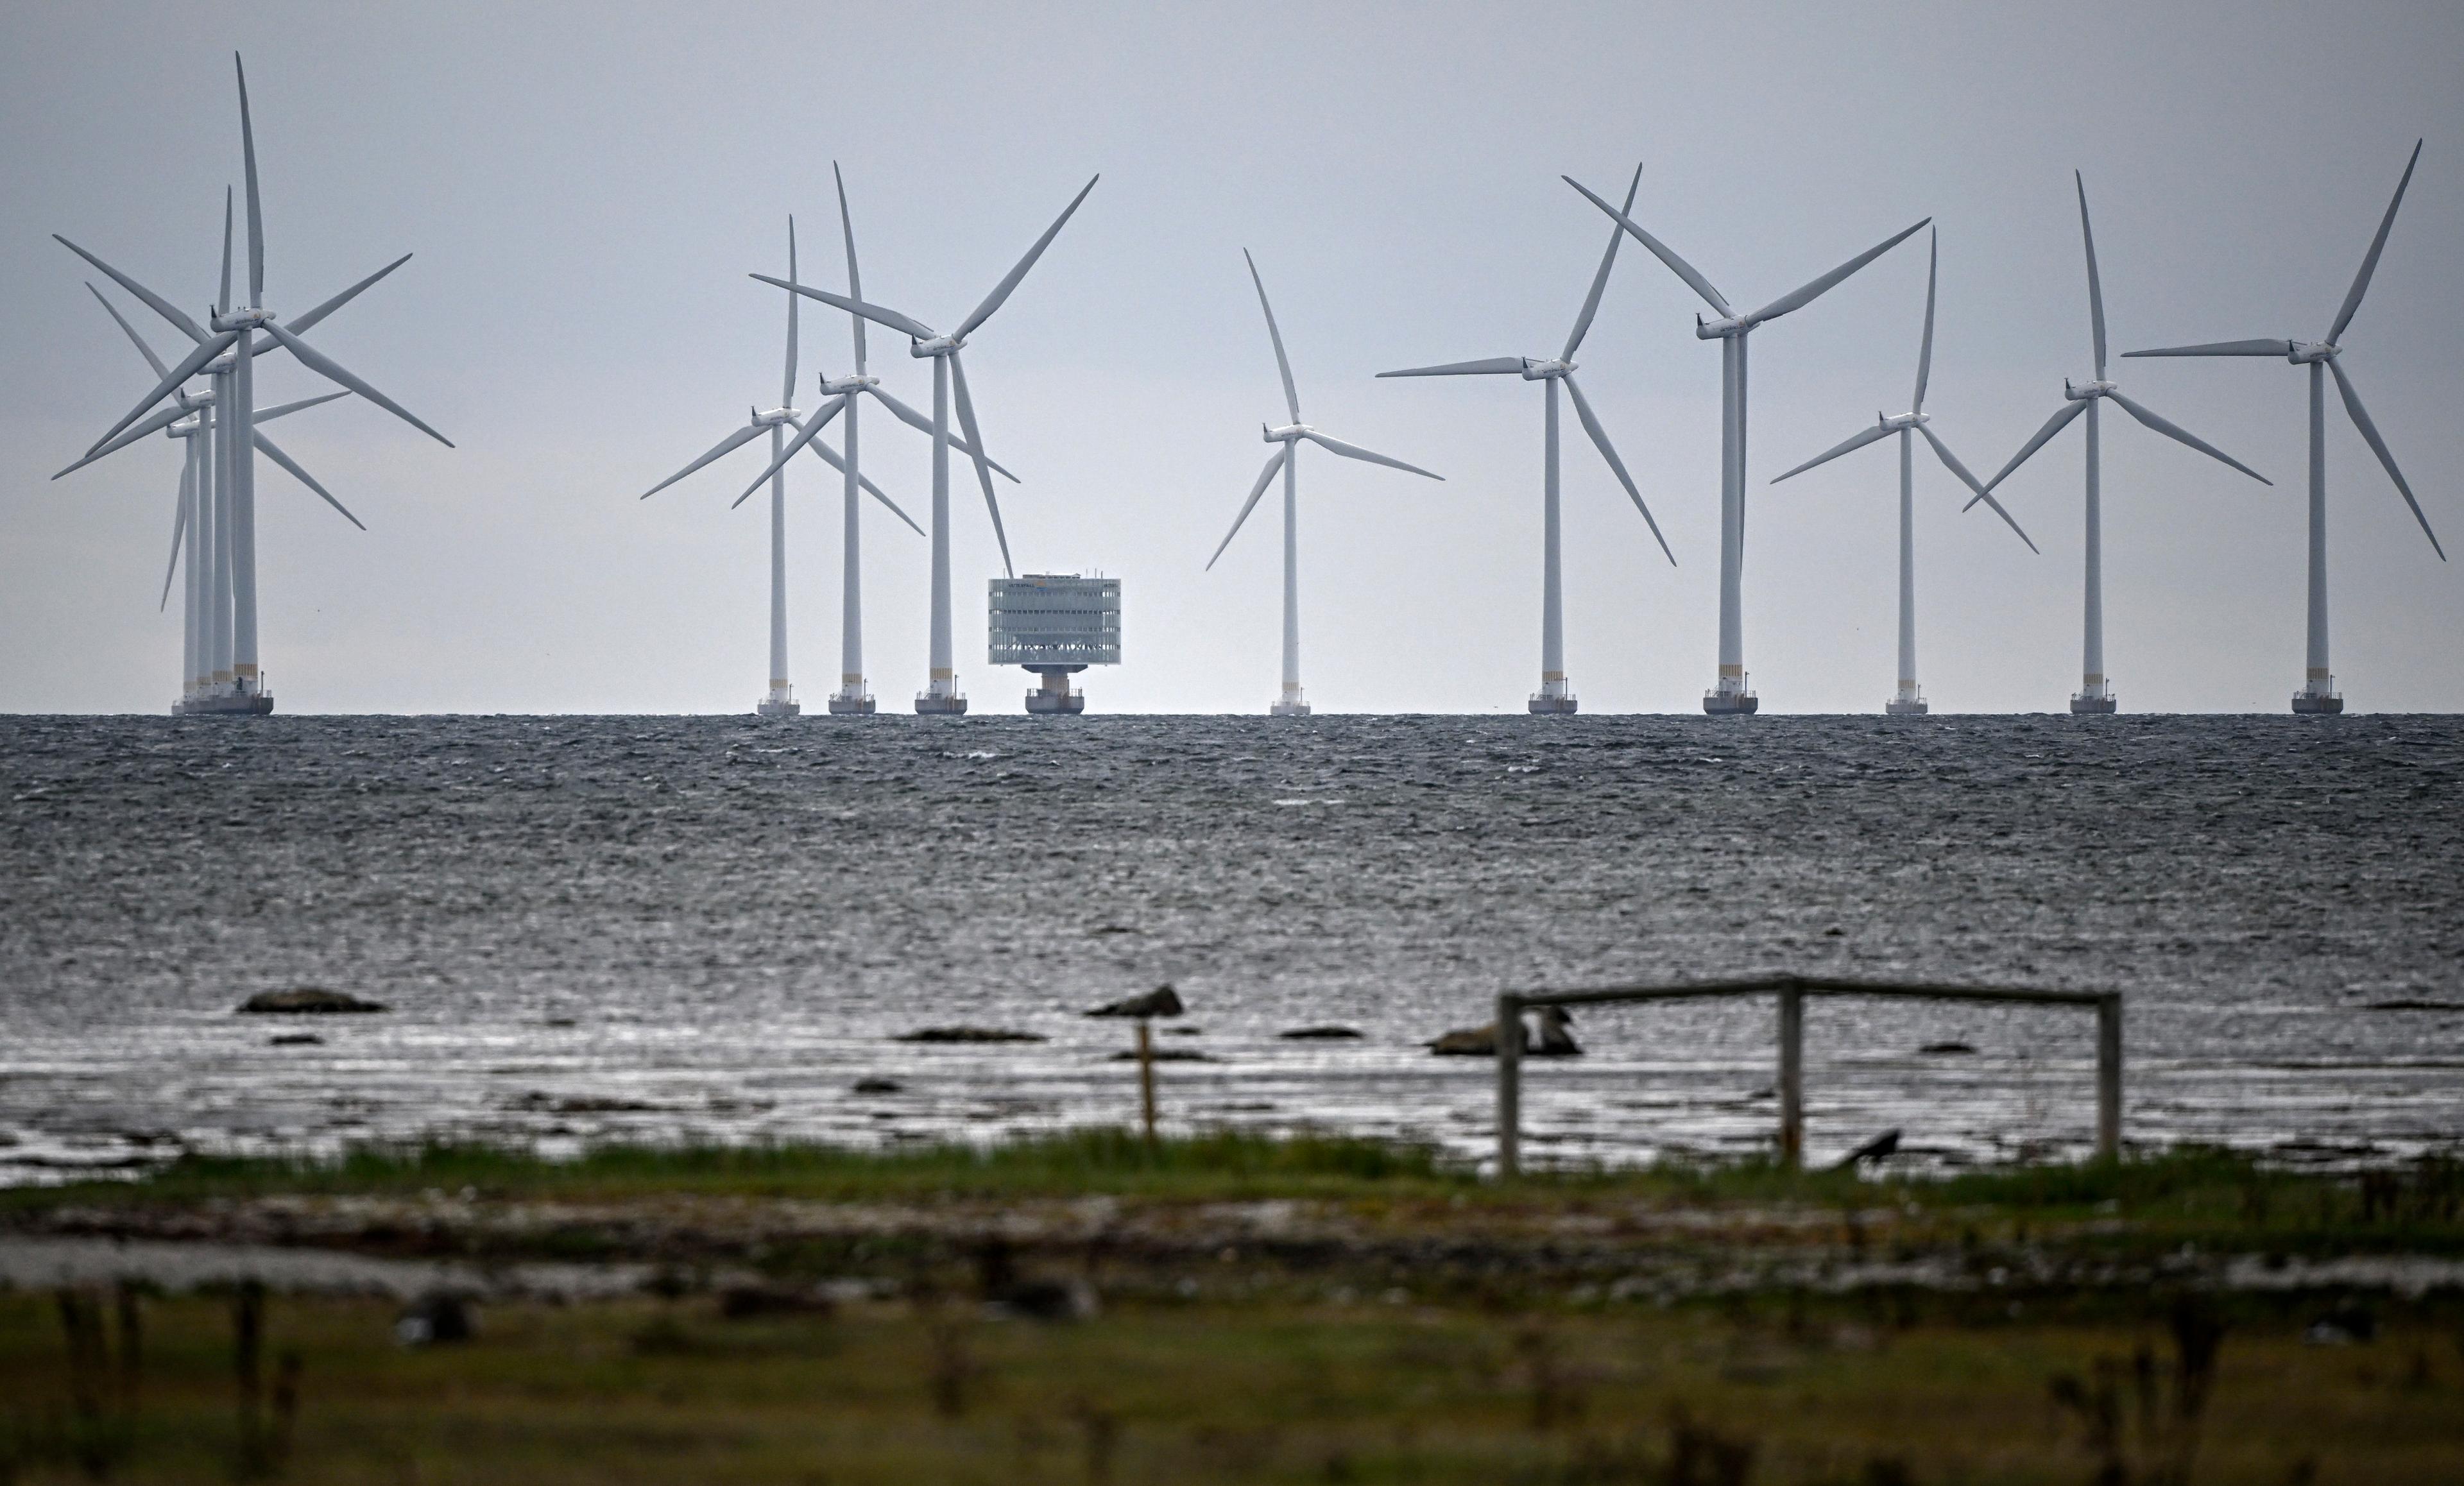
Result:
<point x="1542" y="371"/>
<point x="834" y="386"/>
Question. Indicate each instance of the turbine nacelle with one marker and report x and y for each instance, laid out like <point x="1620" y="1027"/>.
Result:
<point x="2087" y="391"/>
<point x="836" y="387"/>
<point x="240" y="319"/>
<point x="1288" y="433"/>
<point x="1721" y="330"/>
<point x="938" y="345"/>
<point x="1903" y="422"/>
<point x="2305" y="352"/>
<point x="777" y="418"/>
<point x="188" y="427"/>
<point x="1542" y="371"/>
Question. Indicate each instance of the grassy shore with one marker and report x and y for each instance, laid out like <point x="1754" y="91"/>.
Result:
<point x="1233" y="1308"/>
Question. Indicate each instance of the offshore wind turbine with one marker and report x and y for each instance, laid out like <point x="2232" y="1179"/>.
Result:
<point x="940" y="695"/>
<point x="228" y="346"/>
<point x="1557" y="693"/>
<point x="1733" y="697"/>
<point x="2095" y="696"/>
<point x="1286" y="459"/>
<point x="2318" y="694"/>
<point x="853" y="698"/>
<point x="779" y="701"/>
<point x="1908" y="701"/>
<point x="206" y="598"/>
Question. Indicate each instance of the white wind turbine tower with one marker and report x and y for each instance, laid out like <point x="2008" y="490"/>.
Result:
<point x="940" y="695"/>
<point x="2318" y="694"/>
<point x="1908" y="701"/>
<point x="205" y="616"/>
<point x="2096" y="694"/>
<point x="779" y="701"/>
<point x="1557" y="693"/>
<point x="1733" y="697"/>
<point x="1286" y="459"/>
<point x="227" y="347"/>
<point x="853" y="698"/>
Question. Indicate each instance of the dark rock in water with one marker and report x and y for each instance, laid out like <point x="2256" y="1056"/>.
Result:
<point x="1169" y="1055"/>
<point x="1043" y="1299"/>
<point x="1468" y="1042"/>
<point x="433" y="1320"/>
<point x="879" y="1087"/>
<point x="1320" y="1034"/>
<point x="1185" y="1032"/>
<point x="968" y="1034"/>
<point x="306" y="1000"/>
<point x="1945" y="1049"/>
<point x="585" y="1103"/>
<point x="2410" y="1004"/>
<point x="1879" y="1148"/>
<point x="297" y="1039"/>
<point x="748" y="1303"/>
<point x="1105" y="930"/>
<point x="1161" y="1001"/>
<point x="557" y="1021"/>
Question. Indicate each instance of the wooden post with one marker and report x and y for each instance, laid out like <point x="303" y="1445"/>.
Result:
<point x="1146" y="1078"/>
<point x="1510" y="1087"/>
<point x="2108" y="1078"/>
<point x="1792" y="1078"/>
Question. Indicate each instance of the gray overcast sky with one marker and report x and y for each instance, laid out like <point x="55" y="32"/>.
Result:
<point x="587" y="186"/>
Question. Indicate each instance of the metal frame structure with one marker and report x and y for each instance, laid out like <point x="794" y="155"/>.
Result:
<point x="1791" y="991"/>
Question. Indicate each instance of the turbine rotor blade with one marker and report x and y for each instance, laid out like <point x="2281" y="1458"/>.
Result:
<point x="2220" y="348"/>
<point x="923" y="424"/>
<point x="266" y="447"/>
<point x="1355" y="451"/>
<point x="2053" y="426"/>
<point x="1678" y="266"/>
<point x="1799" y="297"/>
<point x="1493" y="366"/>
<point x="178" y="528"/>
<point x="223" y="303"/>
<point x="828" y="456"/>
<point x="1951" y="462"/>
<point x="301" y="323"/>
<point x="1607" y="452"/>
<point x="967" y="419"/>
<point x="327" y="367"/>
<point x="1265" y="477"/>
<point x="913" y="329"/>
<point x="121" y="321"/>
<point x="2370" y="262"/>
<point x="151" y="300"/>
<point x="2182" y="435"/>
<point x="1001" y="291"/>
<point x="2377" y="446"/>
<point x="136" y="431"/>
<point x="805" y="433"/>
<point x="2094" y="283"/>
<point x="855" y="282"/>
<point x="787" y="386"/>
<point x="256" y="208"/>
<point x="1857" y="441"/>
<point x="1282" y="362"/>
<point x="268" y="415"/>
<point x="726" y="446"/>
<point x="189" y="365"/>
<point x="1924" y="350"/>
<point x="1600" y="281"/>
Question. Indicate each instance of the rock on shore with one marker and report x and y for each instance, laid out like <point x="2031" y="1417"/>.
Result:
<point x="306" y="1000"/>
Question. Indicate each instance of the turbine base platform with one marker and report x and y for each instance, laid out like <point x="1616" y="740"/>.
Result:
<point x="1544" y="704"/>
<point x="927" y="705"/>
<point x="1041" y="703"/>
<point x="2305" y="705"/>
<point x="1288" y="709"/>
<point x="2086" y="705"/>
<point x="845" y="706"/>
<point x="1913" y="708"/>
<point x="772" y="707"/>
<point x="225" y="703"/>
<point x="1730" y="703"/>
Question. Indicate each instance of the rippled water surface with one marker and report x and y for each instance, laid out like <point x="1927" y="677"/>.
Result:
<point x="713" y="928"/>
